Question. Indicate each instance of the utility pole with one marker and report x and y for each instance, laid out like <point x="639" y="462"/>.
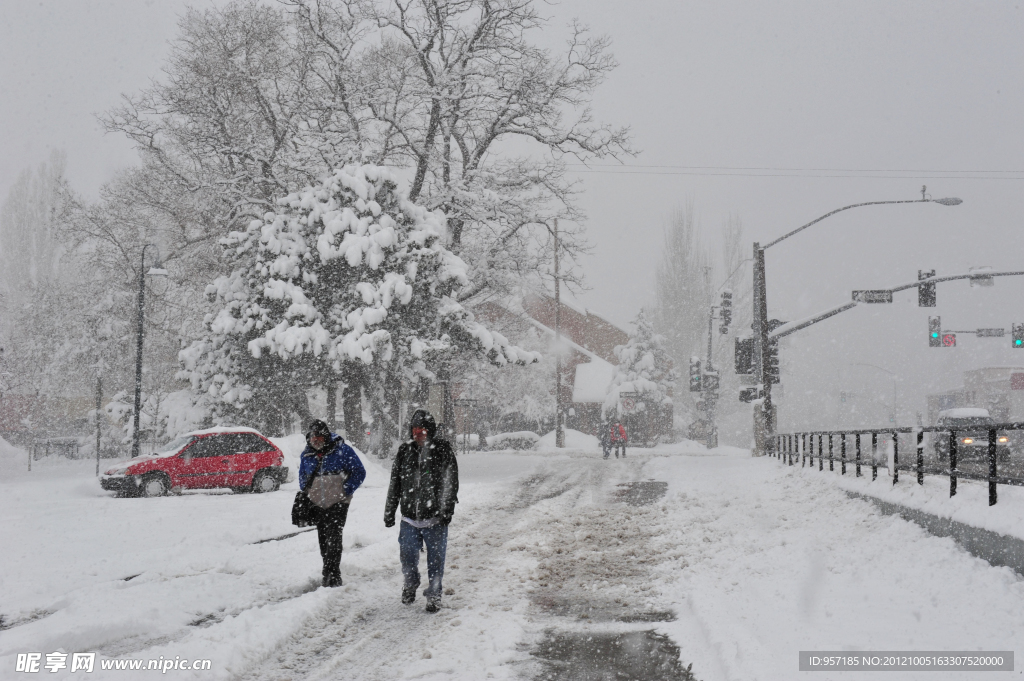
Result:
<point x="559" y="428"/>
<point x="710" y="385"/>
<point x="99" y="406"/>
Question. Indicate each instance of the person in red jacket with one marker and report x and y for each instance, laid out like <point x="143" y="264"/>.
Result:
<point x="619" y="439"/>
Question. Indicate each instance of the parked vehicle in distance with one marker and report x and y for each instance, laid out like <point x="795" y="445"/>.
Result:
<point x="969" y="425"/>
<point x="238" y="458"/>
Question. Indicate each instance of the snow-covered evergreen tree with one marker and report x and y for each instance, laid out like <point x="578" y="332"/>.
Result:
<point x="645" y="368"/>
<point x="346" y="274"/>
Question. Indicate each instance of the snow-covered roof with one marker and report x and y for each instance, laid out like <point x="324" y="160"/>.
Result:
<point x="964" y="413"/>
<point x="592" y="380"/>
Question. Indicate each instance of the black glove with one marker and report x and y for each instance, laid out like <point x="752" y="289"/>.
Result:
<point x="446" y="517"/>
<point x="389" y="522"/>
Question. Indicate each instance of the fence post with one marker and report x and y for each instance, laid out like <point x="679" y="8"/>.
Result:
<point x="831" y="454"/>
<point x="803" y="450"/>
<point x="789" y="453"/>
<point x="920" y="457"/>
<point x="992" y="494"/>
<point x="952" y="462"/>
<point x="874" y="456"/>
<point x="857" y="454"/>
<point x="842" y="452"/>
<point x="821" y="462"/>
<point x="895" y="458"/>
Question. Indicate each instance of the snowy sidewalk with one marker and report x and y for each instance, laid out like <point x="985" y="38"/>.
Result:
<point x="753" y="560"/>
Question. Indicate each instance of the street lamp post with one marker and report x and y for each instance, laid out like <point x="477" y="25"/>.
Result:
<point x="764" y="417"/>
<point x="155" y="271"/>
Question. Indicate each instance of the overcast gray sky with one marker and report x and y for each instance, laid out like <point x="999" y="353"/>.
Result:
<point x="774" y="111"/>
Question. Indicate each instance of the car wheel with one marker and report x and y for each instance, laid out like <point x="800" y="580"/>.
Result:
<point x="154" y="485"/>
<point x="265" y="482"/>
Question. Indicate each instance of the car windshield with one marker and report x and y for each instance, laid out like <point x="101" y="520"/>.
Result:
<point x="968" y="422"/>
<point x="176" y="444"/>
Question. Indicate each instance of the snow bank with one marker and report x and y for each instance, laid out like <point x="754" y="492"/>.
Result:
<point x="12" y="459"/>
<point x="969" y="506"/>
<point x="574" y="439"/>
<point x="518" y="440"/>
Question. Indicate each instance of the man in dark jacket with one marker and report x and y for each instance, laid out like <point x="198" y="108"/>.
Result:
<point x="325" y="461"/>
<point x="425" y="481"/>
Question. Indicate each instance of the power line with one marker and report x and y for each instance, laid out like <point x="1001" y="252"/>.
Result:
<point x="725" y="171"/>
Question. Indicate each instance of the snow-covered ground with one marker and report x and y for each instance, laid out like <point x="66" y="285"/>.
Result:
<point x="741" y="563"/>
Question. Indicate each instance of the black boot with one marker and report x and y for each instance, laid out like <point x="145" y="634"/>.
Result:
<point x="433" y="604"/>
<point x="408" y="595"/>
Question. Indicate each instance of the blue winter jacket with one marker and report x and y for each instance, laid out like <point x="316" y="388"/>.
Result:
<point x="340" y="458"/>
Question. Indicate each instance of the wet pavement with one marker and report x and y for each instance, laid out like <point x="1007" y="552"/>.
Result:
<point x="640" y="492"/>
<point x="638" y="655"/>
<point x="591" y="656"/>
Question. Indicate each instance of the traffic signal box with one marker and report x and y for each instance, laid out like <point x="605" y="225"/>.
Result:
<point x="695" y="375"/>
<point x="771" y="361"/>
<point x="726" y="312"/>
<point x="744" y="358"/>
<point x="935" y="332"/>
<point x="1018" y="335"/>
<point x="925" y="292"/>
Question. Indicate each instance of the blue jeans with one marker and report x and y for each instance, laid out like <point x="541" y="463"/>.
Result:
<point x="410" y="539"/>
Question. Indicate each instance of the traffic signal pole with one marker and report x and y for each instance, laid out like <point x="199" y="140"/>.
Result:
<point x="764" y="412"/>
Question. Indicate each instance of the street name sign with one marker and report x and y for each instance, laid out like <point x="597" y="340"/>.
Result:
<point x="873" y="296"/>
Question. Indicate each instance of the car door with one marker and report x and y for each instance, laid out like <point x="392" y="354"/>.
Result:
<point x="242" y="458"/>
<point x="198" y="468"/>
<point x="258" y="453"/>
<point x="211" y="461"/>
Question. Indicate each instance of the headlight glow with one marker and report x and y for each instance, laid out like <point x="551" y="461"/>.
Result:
<point x="967" y="440"/>
<point x="1002" y="438"/>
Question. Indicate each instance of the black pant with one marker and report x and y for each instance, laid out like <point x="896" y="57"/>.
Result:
<point x="329" y="525"/>
<point x="620" y="446"/>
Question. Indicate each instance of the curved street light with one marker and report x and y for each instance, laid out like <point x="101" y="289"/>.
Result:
<point x="764" y="422"/>
<point x="156" y="271"/>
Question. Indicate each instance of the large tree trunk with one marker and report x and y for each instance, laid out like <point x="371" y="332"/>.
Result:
<point x="352" y="410"/>
<point x="332" y="403"/>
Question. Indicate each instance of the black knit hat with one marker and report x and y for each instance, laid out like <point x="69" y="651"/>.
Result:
<point x="422" y="419"/>
<point x="318" y="428"/>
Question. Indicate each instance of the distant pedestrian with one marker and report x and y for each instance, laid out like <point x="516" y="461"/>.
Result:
<point x="619" y="439"/>
<point x="425" y="482"/>
<point x="606" y="439"/>
<point x="329" y="474"/>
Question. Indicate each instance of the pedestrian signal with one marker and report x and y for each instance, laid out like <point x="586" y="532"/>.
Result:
<point x="1018" y="335"/>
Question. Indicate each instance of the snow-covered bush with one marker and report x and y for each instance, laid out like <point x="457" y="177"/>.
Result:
<point x="347" y="277"/>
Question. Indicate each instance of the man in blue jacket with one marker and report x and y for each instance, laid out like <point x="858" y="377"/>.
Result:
<point x="329" y="473"/>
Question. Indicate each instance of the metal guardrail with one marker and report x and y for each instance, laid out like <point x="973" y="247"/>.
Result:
<point x="790" y="446"/>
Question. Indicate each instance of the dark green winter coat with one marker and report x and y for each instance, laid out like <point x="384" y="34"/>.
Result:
<point x="425" y="489"/>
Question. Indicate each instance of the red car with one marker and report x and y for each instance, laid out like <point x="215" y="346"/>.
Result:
<point x="238" y="458"/>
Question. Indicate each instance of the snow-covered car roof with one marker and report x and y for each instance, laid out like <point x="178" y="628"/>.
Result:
<point x="222" y="429"/>
<point x="964" y="413"/>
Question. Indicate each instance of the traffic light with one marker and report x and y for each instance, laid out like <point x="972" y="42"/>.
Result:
<point x="935" y="332"/>
<point x="744" y="356"/>
<point x="1018" y="335"/>
<point x="726" y="312"/>
<point x="695" y="375"/>
<point x="771" y="361"/>
<point x="925" y="292"/>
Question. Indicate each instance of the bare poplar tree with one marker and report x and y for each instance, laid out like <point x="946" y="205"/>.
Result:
<point x="683" y="288"/>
